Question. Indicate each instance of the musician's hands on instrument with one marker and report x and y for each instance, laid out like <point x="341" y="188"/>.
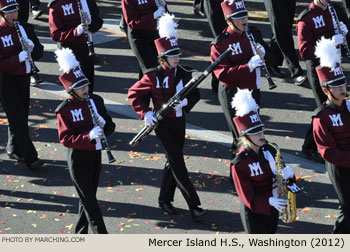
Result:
<point x="95" y="133"/>
<point x="338" y="39"/>
<point x="179" y="104"/>
<point x="159" y="12"/>
<point x="343" y="28"/>
<point x="278" y="203"/>
<point x="86" y="17"/>
<point x="162" y="3"/>
<point x="82" y="28"/>
<point x="28" y="44"/>
<point x="260" y="50"/>
<point x="255" y="62"/>
<point x="23" y="56"/>
<point x="149" y="119"/>
<point x="100" y="121"/>
<point x="287" y="172"/>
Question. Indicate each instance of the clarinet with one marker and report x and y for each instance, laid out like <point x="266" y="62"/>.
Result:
<point x="88" y="34"/>
<point x="337" y="29"/>
<point x="33" y="69"/>
<point x="104" y="141"/>
<point x="180" y="95"/>
<point x="255" y="52"/>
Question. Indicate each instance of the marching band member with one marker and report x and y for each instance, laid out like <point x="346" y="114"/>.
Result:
<point x="161" y="84"/>
<point x="242" y="68"/>
<point x="15" y="82"/>
<point x="313" y="23"/>
<point x="331" y="128"/>
<point x="67" y="29"/>
<point x="77" y="132"/>
<point x="254" y="169"/>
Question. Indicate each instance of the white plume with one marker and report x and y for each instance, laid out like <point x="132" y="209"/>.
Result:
<point x="327" y="52"/>
<point x="230" y="2"/>
<point x="167" y="26"/>
<point x="66" y="59"/>
<point x="244" y="102"/>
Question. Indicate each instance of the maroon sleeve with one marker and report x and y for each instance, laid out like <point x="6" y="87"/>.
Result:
<point x="135" y="20"/>
<point x="327" y="146"/>
<point x="306" y="41"/>
<point x="59" y="33"/>
<point x="233" y="76"/>
<point x="245" y="190"/>
<point x="140" y="89"/>
<point x="71" y="139"/>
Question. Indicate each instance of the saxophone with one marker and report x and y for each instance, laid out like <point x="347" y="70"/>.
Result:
<point x="289" y="213"/>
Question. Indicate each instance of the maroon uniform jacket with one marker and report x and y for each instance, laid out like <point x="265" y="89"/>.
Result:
<point x="74" y="122"/>
<point x="161" y="84"/>
<point x="254" y="178"/>
<point x="138" y="14"/>
<point x="10" y="47"/>
<point x="64" y="18"/>
<point x="312" y="24"/>
<point x="331" y="128"/>
<point x="233" y="71"/>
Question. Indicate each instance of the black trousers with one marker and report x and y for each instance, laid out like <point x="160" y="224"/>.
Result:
<point x="340" y="178"/>
<point x="259" y="223"/>
<point x="15" y="98"/>
<point x="171" y="133"/>
<point x="281" y="15"/>
<point x="87" y="63"/>
<point x="225" y="96"/>
<point x="84" y="168"/>
<point x="142" y="45"/>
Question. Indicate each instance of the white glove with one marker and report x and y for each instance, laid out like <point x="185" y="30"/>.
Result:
<point x="181" y="104"/>
<point x="95" y="133"/>
<point x="287" y="172"/>
<point x="338" y="39"/>
<point x="254" y="62"/>
<point x="101" y="122"/>
<point x="23" y="56"/>
<point x="158" y="13"/>
<point x="278" y="203"/>
<point x="80" y="29"/>
<point x="162" y="3"/>
<point x="149" y="118"/>
<point x="29" y="44"/>
<point x="343" y="28"/>
<point x="260" y="50"/>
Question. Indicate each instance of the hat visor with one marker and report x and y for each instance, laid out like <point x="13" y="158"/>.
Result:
<point x="10" y="8"/>
<point x="238" y="15"/>
<point x="254" y="130"/>
<point x="335" y="83"/>
<point x="79" y="84"/>
<point x="171" y="53"/>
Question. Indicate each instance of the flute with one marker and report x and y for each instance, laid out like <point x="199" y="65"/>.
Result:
<point x="33" y="69"/>
<point x="88" y="34"/>
<point x="104" y="141"/>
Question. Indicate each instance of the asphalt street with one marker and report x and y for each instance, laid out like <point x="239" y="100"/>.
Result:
<point x="44" y="201"/>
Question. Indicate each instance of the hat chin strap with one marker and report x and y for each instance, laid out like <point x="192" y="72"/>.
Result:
<point x="331" y="93"/>
<point x="251" y="141"/>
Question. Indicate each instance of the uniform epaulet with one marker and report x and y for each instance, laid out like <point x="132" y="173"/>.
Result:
<point x="239" y="157"/>
<point x="50" y="3"/>
<point x="219" y="37"/>
<point x="187" y="68"/>
<point x="319" y="109"/>
<point x="62" y="105"/>
<point x="303" y="13"/>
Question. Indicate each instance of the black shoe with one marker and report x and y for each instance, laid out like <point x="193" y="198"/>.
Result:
<point x="168" y="208"/>
<point x="197" y="213"/>
<point x="36" y="164"/>
<point x="313" y="155"/>
<point x="300" y="80"/>
<point x="199" y="13"/>
<point x="16" y="157"/>
<point x="276" y="72"/>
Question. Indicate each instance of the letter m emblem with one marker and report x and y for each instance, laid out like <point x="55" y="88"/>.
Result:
<point x="239" y="5"/>
<point x="77" y="115"/>
<point x="254" y="118"/>
<point x="319" y="22"/>
<point x="255" y="169"/>
<point x="67" y="9"/>
<point x="7" y="40"/>
<point x="236" y="48"/>
<point x="336" y="120"/>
